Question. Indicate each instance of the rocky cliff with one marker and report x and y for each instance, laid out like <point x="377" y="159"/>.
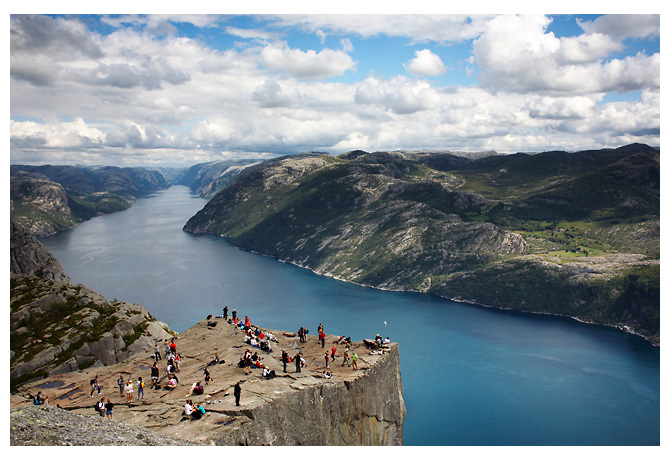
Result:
<point x="58" y="327"/>
<point x="354" y="407"/>
<point x="575" y="234"/>
<point x="30" y="257"/>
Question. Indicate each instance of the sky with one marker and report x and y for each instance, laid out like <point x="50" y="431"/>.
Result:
<point x="182" y="89"/>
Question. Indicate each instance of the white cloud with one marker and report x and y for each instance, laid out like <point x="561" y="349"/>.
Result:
<point x="425" y="64"/>
<point x="517" y="54"/>
<point x="307" y="64"/>
<point x="135" y="98"/>
<point x="418" y="28"/>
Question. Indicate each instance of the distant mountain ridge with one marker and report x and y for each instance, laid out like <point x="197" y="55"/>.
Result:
<point x="48" y="199"/>
<point x="575" y="234"/>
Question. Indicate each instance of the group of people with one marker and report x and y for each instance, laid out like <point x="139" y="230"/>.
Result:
<point x="105" y="408"/>
<point x="193" y="411"/>
<point x="128" y="389"/>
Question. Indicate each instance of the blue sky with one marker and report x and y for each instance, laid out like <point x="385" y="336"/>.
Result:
<point x="177" y="90"/>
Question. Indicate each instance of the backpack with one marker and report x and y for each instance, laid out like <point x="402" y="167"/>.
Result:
<point x="142" y="384"/>
<point x="92" y="382"/>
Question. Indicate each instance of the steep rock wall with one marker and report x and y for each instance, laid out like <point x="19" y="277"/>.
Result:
<point x="366" y="411"/>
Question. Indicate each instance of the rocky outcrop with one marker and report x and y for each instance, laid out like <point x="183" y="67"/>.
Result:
<point x="354" y="407"/>
<point x="30" y="257"/>
<point x="57" y="327"/>
<point x="52" y="426"/>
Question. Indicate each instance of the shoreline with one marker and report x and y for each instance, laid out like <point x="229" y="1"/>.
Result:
<point x="624" y="329"/>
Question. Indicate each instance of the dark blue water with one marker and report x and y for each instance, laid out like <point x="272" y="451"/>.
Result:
<point x="471" y="375"/>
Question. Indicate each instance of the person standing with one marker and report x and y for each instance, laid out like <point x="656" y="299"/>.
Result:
<point x="122" y="385"/>
<point x="301" y="334"/>
<point x="129" y="390"/>
<point x="333" y="351"/>
<point x="238" y="393"/>
<point x="157" y="352"/>
<point x="225" y="312"/>
<point x="109" y="409"/>
<point x="154" y="375"/>
<point x="140" y="388"/>
<point x="101" y="407"/>
<point x="354" y="361"/>
<point x="284" y="359"/>
<point x="325" y="356"/>
<point x="297" y="362"/>
<point x="322" y="337"/>
<point x="345" y="362"/>
<point x="234" y="316"/>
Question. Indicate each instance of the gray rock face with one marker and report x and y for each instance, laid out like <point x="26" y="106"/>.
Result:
<point x="30" y="257"/>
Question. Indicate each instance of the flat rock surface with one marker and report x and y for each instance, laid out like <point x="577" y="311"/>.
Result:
<point x="162" y="410"/>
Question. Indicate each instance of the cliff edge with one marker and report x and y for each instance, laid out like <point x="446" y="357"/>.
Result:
<point x="354" y="407"/>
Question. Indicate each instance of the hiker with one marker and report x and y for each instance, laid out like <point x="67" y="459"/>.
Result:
<point x="122" y="385"/>
<point x="297" y="362"/>
<point x="94" y="386"/>
<point x="109" y="409"/>
<point x="154" y="375"/>
<point x="140" y="388"/>
<point x="100" y="407"/>
<point x="177" y="360"/>
<point x="166" y="346"/>
<point x="333" y="351"/>
<point x="238" y="393"/>
<point x="284" y="358"/>
<point x="346" y="361"/>
<point x="354" y="361"/>
<point x="157" y="352"/>
<point x="37" y="400"/>
<point x="234" y="316"/>
<point x="301" y="334"/>
<point x="325" y="356"/>
<point x="327" y="374"/>
<point x="173" y="347"/>
<point x="129" y="390"/>
<point x="225" y="312"/>
<point x="208" y="377"/>
<point x="322" y="338"/>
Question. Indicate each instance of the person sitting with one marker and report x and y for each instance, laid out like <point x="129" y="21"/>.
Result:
<point x="214" y="361"/>
<point x="378" y="339"/>
<point x="37" y="400"/>
<point x="327" y="374"/>
<point x="269" y="374"/>
<point x="172" y="383"/>
<point x="254" y="357"/>
<point x="253" y="342"/>
<point x="387" y="340"/>
<point x="188" y="408"/>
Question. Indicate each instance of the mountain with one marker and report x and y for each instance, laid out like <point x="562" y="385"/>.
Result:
<point x="575" y="234"/>
<point x="206" y="179"/>
<point x="48" y="199"/>
<point x="57" y="327"/>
